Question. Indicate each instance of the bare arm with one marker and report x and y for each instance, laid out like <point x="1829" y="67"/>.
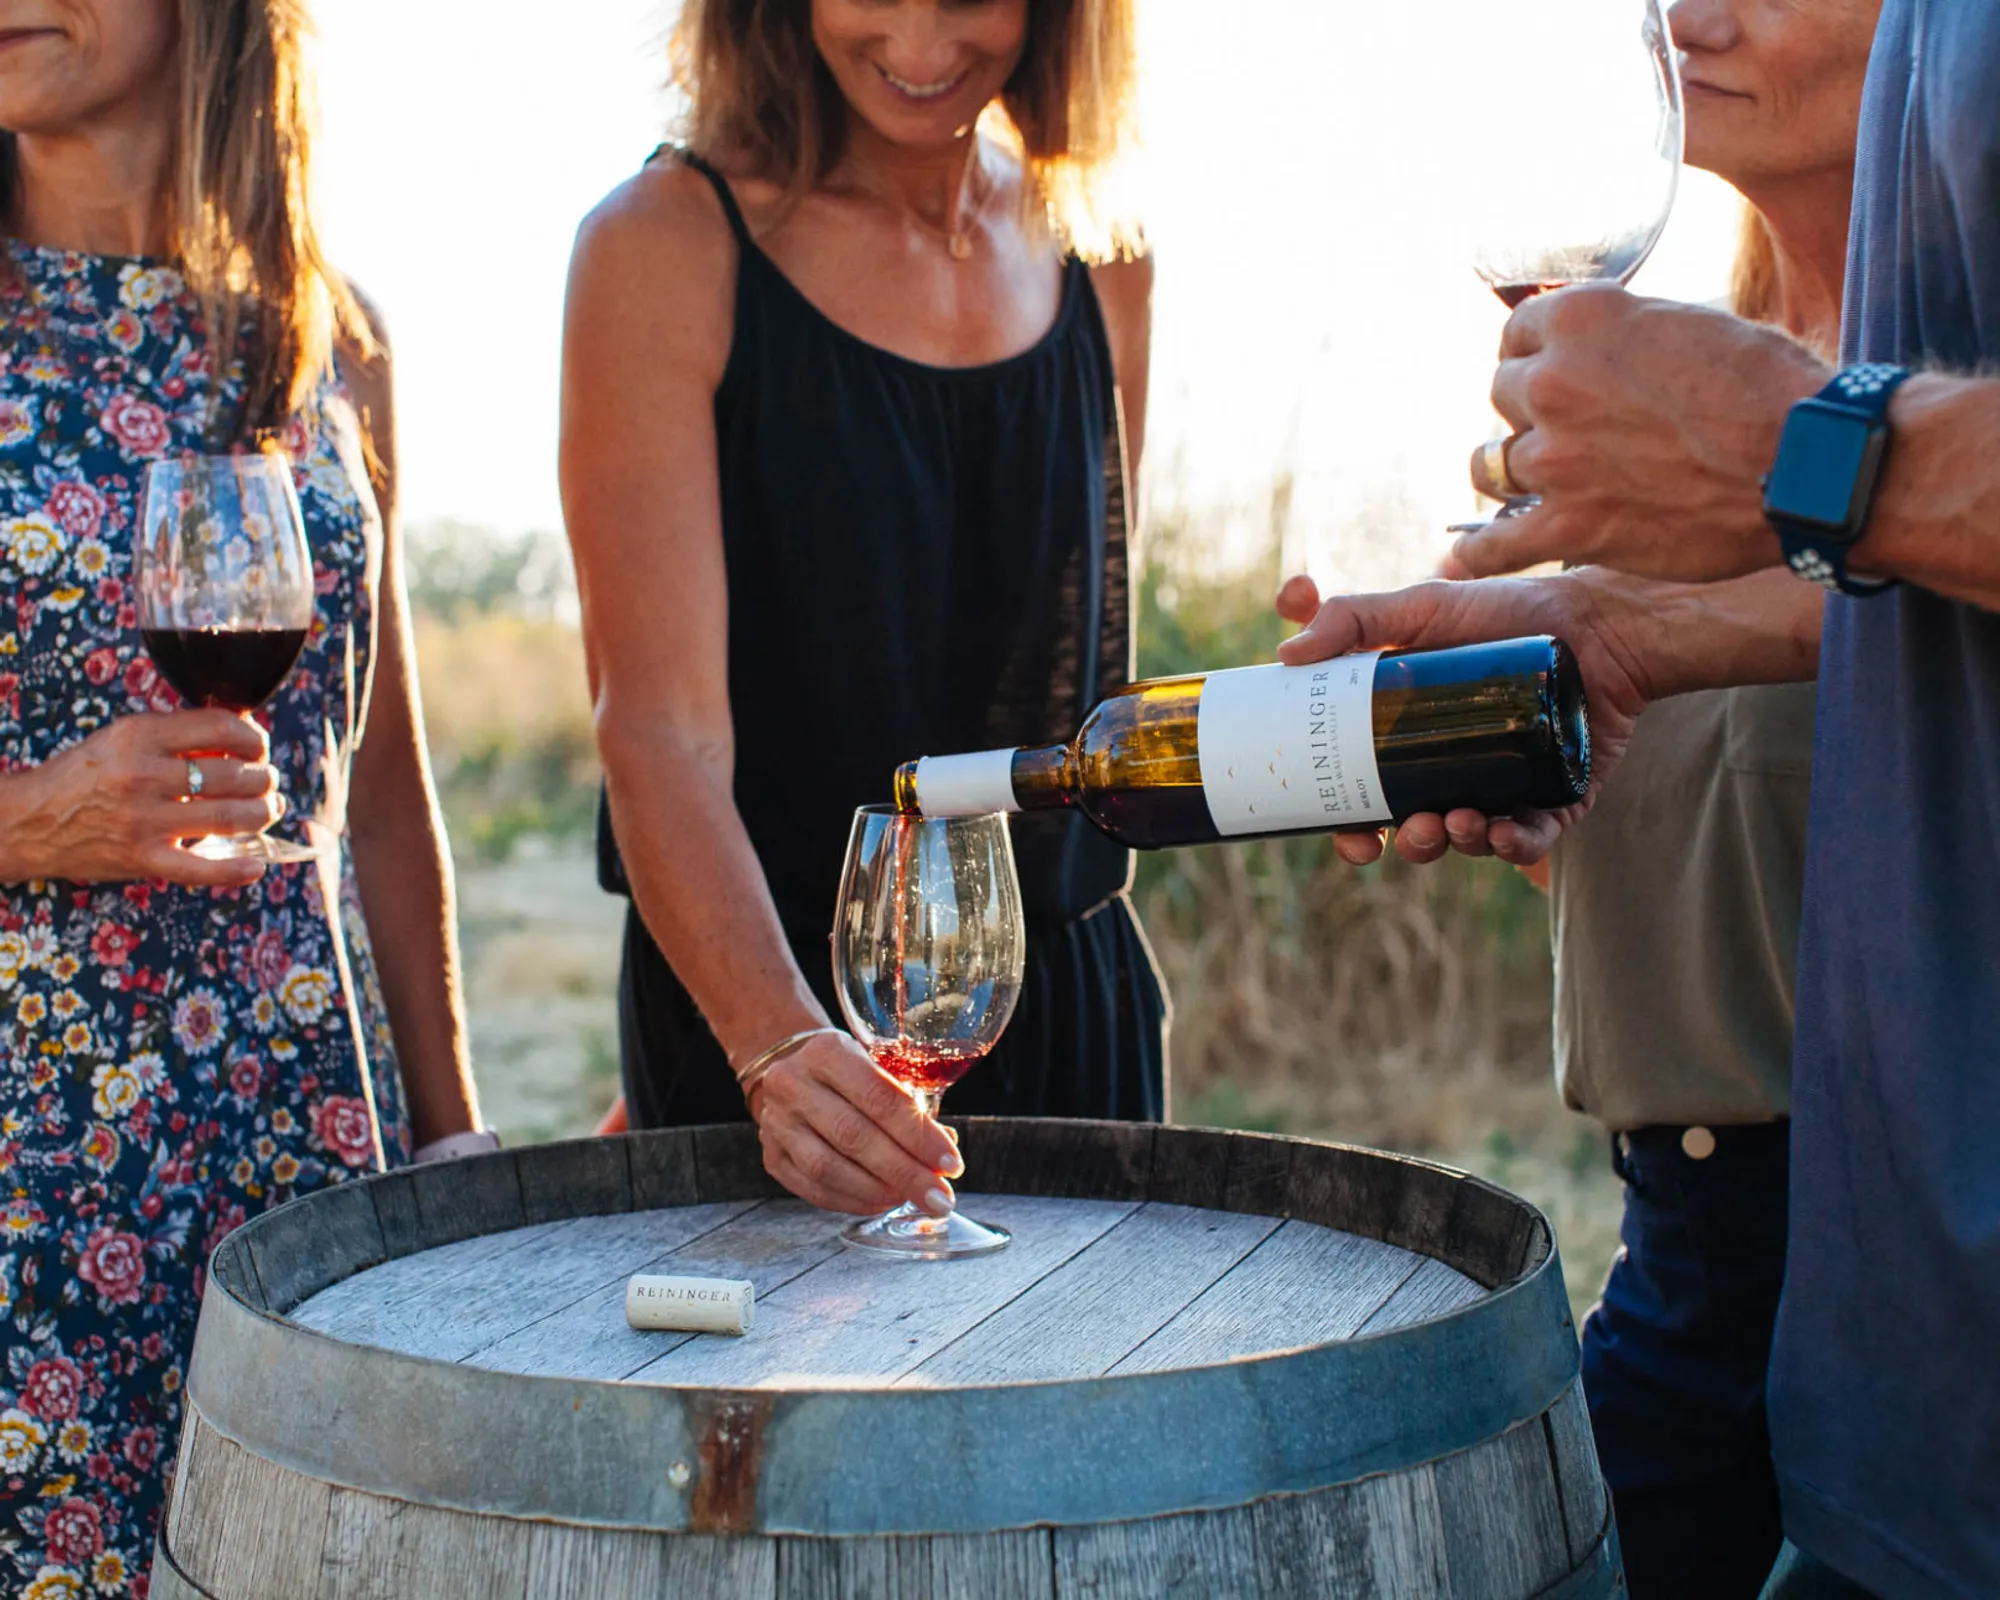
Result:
<point x="1125" y="293"/>
<point x="400" y="859"/>
<point x="1637" y="640"/>
<point x="646" y="337"/>
<point x="1647" y="428"/>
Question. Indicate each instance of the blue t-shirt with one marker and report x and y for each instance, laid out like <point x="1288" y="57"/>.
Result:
<point x="1885" y="1388"/>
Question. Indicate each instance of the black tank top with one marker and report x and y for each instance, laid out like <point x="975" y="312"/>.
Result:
<point x="921" y="560"/>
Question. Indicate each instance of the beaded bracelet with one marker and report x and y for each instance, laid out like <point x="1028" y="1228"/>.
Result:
<point x="472" y="1142"/>
<point x="765" y="1060"/>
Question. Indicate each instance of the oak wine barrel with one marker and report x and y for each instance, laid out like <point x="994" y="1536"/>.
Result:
<point x="1210" y="1365"/>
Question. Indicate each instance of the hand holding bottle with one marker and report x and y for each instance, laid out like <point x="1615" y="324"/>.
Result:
<point x="1255" y="752"/>
<point x="1601" y="617"/>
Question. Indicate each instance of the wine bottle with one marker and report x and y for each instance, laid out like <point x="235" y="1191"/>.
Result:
<point x="1255" y="751"/>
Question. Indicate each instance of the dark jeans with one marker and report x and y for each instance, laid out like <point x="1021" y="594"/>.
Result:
<point x="1675" y="1356"/>
<point x="1799" y="1576"/>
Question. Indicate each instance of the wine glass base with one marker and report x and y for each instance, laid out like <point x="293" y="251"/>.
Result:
<point x="250" y="847"/>
<point x="916" y="1235"/>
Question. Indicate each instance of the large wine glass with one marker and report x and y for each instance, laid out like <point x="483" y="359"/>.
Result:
<point x="928" y="951"/>
<point x="224" y="580"/>
<point x="1584" y="120"/>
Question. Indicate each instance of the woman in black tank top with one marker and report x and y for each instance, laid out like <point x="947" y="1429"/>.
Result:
<point x="847" y="434"/>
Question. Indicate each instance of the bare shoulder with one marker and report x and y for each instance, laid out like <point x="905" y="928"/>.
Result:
<point x="366" y="366"/>
<point x="664" y="213"/>
<point x="371" y="313"/>
<point x="1126" y="284"/>
<point x="654" y="268"/>
<point x="1125" y="295"/>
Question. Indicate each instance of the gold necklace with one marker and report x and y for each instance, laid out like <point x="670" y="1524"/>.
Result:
<point x="958" y="240"/>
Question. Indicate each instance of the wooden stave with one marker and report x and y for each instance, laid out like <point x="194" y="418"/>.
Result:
<point x="1470" y="1225"/>
<point x="1475" y="1526"/>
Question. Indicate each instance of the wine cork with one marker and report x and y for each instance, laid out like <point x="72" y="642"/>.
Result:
<point x="689" y="1305"/>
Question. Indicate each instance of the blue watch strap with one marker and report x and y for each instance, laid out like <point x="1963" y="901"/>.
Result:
<point x="1816" y="551"/>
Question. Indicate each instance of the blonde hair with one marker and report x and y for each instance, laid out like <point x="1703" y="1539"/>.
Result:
<point x="759" y="95"/>
<point x="240" y="224"/>
<point x="1753" y="280"/>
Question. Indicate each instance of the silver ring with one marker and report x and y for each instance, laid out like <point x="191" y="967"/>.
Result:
<point x="195" y="779"/>
<point x="1493" y="459"/>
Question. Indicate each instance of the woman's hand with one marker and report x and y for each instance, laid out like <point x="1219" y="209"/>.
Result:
<point x="116" y="807"/>
<point x="843" y="1135"/>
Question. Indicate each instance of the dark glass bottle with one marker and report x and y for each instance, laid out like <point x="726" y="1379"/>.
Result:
<point x="1501" y="728"/>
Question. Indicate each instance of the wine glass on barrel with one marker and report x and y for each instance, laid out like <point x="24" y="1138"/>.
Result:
<point x="1585" y="138"/>
<point x="928" y="951"/>
<point x="225" y="589"/>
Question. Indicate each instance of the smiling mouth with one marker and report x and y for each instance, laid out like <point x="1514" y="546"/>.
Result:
<point x="1710" y="88"/>
<point x="921" y="91"/>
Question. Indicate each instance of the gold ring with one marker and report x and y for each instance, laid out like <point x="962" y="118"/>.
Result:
<point x="1493" y="462"/>
<point x="195" y="780"/>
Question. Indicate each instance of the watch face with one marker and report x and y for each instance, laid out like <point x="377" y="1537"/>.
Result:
<point x="1825" y="467"/>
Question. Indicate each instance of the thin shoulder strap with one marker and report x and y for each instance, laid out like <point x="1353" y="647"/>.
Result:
<point x="1116" y="663"/>
<point x="720" y="184"/>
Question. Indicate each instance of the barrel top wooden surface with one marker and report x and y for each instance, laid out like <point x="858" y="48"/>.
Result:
<point x="1088" y="1288"/>
<point x="1186" y="1319"/>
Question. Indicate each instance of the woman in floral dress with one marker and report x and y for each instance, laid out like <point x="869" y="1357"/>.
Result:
<point x="182" y="1042"/>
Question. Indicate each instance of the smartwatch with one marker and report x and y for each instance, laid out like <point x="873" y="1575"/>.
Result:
<point x="1821" y="488"/>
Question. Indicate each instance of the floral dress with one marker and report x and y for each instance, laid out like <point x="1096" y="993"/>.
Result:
<point x="171" y="1060"/>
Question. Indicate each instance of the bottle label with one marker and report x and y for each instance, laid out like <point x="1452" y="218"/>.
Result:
<point x="1285" y="749"/>
<point x="966" y="786"/>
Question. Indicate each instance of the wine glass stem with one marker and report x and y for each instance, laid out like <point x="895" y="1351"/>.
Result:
<point x="928" y="1101"/>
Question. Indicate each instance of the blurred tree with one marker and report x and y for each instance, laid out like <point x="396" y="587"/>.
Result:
<point x="456" y="569"/>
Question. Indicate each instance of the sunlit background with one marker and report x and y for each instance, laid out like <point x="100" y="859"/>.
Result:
<point x="1306" y="162"/>
<point x="1322" y="352"/>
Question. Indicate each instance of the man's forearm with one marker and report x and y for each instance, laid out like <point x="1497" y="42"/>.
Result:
<point x="1937" y="515"/>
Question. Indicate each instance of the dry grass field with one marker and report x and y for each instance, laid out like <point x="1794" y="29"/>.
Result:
<point x="1394" y="1007"/>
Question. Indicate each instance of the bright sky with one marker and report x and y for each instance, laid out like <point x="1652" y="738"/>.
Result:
<point x="1310" y="167"/>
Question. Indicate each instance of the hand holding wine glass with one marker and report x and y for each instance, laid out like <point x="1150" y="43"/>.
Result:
<point x="224" y="580"/>
<point x="840" y="1134"/>
<point x="929" y="947"/>
<point x="115" y="807"/>
<point x="1649" y="426"/>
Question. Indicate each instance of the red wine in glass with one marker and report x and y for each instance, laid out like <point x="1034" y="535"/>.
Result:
<point x="223" y="576"/>
<point x="928" y="956"/>
<point x="237" y="669"/>
<point x="924" y="1068"/>
<point x="1515" y="295"/>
